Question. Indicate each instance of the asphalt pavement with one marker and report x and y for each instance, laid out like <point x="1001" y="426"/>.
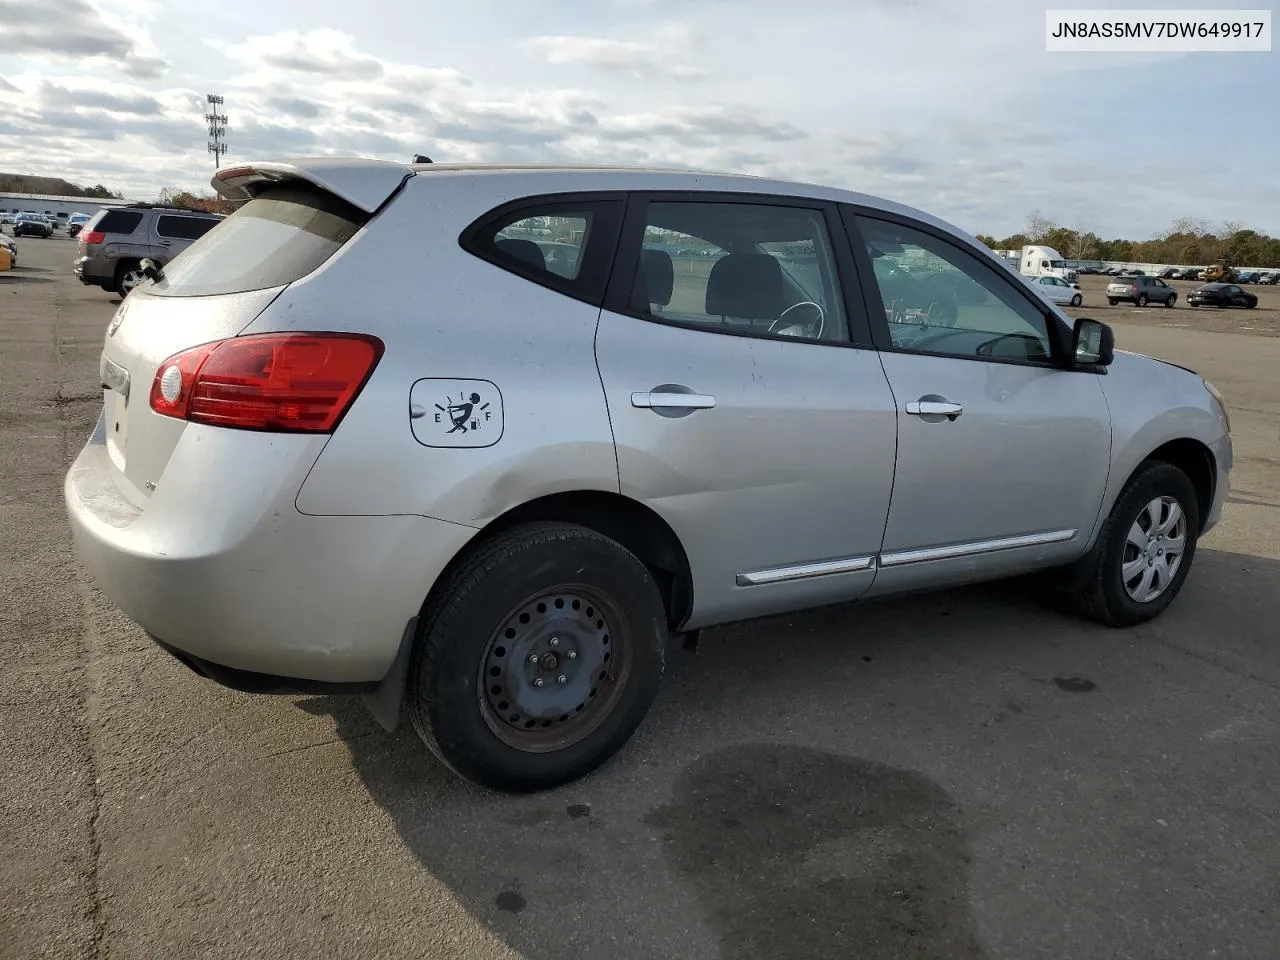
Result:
<point x="967" y="774"/>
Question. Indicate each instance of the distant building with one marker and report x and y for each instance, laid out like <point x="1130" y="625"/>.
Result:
<point x="53" y="206"/>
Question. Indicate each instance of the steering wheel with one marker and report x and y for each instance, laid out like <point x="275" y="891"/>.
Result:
<point x="810" y="328"/>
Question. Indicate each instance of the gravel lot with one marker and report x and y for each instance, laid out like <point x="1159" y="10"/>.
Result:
<point x="1262" y="321"/>
<point x="967" y="774"/>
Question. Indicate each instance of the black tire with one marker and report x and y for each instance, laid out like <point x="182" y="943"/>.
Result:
<point x="1101" y="595"/>
<point x="123" y="269"/>
<point x="1173" y="298"/>
<point x="480" y="603"/>
<point x="1142" y="300"/>
<point x="1112" y="302"/>
<point x="1077" y="300"/>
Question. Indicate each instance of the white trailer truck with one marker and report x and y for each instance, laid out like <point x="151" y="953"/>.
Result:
<point x="1039" y="261"/>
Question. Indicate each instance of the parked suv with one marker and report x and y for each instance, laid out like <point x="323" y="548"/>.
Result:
<point x="1141" y="290"/>
<point x="367" y="437"/>
<point x="113" y="243"/>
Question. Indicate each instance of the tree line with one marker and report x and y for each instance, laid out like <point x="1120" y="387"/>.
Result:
<point x="53" y="187"/>
<point x="1188" y="242"/>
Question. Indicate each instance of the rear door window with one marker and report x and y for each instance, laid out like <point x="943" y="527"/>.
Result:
<point x="184" y="228"/>
<point x="276" y="238"/>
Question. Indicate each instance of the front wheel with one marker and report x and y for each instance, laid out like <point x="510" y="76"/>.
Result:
<point x="1171" y="301"/>
<point x="1077" y="300"/>
<point x="1144" y="550"/>
<point x="537" y="658"/>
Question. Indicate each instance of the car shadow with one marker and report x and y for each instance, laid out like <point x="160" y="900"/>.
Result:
<point x="719" y="834"/>
<point x="19" y="275"/>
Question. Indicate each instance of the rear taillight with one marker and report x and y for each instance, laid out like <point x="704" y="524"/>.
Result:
<point x="288" y="382"/>
<point x="91" y="236"/>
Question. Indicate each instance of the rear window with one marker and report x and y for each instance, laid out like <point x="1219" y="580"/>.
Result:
<point x="274" y="239"/>
<point x="184" y="228"/>
<point x="118" y="221"/>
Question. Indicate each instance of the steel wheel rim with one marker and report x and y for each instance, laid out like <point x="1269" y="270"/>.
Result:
<point x="575" y="640"/>
<point x="1154" y="549"/>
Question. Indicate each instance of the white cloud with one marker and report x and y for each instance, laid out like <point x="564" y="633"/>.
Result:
<point x="76" y="30"/>
<point x="951" y="105"/>
<point x="668" y="55"/>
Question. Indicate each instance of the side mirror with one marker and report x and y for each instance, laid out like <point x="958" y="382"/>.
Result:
<point x="150" y="269"/>
<point x="1093" y="343"/>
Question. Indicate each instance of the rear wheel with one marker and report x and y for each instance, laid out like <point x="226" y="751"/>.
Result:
<point x="538" y="657"/>
<point x="1142" y="300"/>
<point x="1144" y="550"/>
<point x="128" y="275"/>
<point x="1111" y="301"/>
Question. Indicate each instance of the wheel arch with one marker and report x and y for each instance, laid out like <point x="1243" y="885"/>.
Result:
<point x="627" y="521"/>
<point x="1193" y="458"/>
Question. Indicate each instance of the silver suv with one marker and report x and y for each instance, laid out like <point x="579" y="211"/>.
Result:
<point x="112" y="244"/>
<point x="377" y="432"/>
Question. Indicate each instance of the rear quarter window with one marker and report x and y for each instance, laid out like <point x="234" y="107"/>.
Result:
<point x="118" y="221"/>
<point x="276" y="238"/>
<point x="564" y="242"/>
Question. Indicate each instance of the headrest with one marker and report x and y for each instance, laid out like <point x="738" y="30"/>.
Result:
<point x="654" y="280"/>
<point x="523" y="250"/>
<point x="747" y="286"/>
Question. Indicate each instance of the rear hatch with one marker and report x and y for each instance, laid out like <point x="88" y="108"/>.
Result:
<point x="210" y="292"/>
<point x="105" y="230"/>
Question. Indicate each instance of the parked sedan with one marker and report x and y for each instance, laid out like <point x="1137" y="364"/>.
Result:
<point x="345" y="467"/>
<point x="1221" y="295"/>
<point x="1141" y="290"/>
<point x="1059" y="291"/>
<point x="1269" y="279"/>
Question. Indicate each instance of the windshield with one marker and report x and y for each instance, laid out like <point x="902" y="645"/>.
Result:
<point x="1058" y="264"/>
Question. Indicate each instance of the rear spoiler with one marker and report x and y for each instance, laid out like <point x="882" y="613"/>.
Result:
<point x="365" y="184"/>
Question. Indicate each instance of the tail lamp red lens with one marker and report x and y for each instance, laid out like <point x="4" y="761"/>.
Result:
<point x="286" y="382"/>
<point x="91" y="236"/>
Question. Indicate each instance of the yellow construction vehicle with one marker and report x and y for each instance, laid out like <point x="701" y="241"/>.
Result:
<point x="1220" y="271"/>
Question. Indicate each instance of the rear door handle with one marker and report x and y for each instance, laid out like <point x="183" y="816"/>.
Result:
<point x="934" y="408"/>
<point x="670" y="400"/>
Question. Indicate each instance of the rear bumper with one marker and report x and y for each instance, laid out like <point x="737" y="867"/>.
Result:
<point x="86" y="275"/>
<point x="222" y="570"/>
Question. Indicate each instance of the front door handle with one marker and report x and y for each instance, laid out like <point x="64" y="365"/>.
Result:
<point x="935" y="408"/>
<point x="670" y="400"/>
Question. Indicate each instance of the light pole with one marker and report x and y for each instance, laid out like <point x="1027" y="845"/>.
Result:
<point x="217" y="128"/>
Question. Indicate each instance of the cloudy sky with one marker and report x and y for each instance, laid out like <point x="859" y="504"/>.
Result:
<point x="950" y="105"/>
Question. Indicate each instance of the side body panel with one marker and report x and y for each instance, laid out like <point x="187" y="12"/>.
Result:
<point x="792" y="466"/>
<point x="1028" y="457"/>
<point x="454" y="326"/>
<point x="1153" y="403"/>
